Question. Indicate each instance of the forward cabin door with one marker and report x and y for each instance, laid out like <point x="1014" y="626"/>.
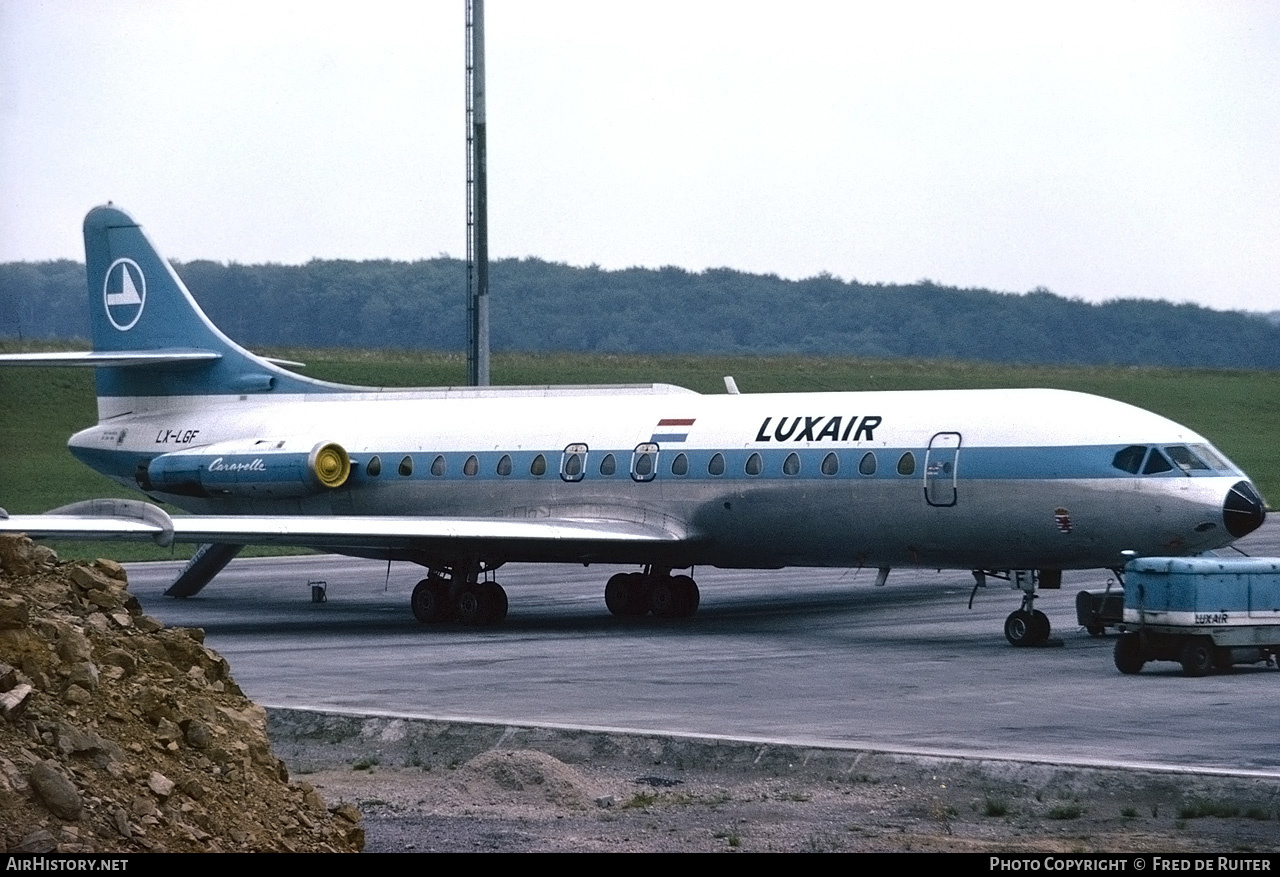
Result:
<point x="941" y="469"/>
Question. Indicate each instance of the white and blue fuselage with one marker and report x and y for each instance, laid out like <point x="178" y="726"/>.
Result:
<point x="972" y="479"/>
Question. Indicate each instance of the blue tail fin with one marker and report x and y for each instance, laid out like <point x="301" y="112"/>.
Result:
<point x="137" y="304"/>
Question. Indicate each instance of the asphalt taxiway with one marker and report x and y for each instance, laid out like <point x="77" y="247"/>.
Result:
<point x="812" y="657"/>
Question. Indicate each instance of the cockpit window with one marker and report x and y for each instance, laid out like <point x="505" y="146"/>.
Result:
<point x="1212" y="457"/>
<point x="1184" y="459"/>
<point x="1130" y="459"/>
<point x="1156" y="463"/>
<point x="1196" y="458"/>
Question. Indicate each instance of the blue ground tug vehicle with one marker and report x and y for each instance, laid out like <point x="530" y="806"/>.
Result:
<point x="1207" y="613"/>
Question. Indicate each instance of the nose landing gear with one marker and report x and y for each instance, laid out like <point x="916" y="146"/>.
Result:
<point x="1026" y="628"/>
<point x="1027" y="625"/>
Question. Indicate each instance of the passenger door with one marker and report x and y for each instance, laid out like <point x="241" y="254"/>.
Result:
<point x="941" y="469"/>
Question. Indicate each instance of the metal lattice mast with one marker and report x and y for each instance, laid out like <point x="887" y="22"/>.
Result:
<point x="477" y="204"/>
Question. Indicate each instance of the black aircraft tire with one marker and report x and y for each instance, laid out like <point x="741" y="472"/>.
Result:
<point x="495" y="602"/>
<point x="1020" y="629"/>
<point x="430" y="601"/>
<point x="1196" y="656"/>
<point x="674" y="597"/>
<point x="636" y="599"/>
<point x="1128" y="654"/>
<point x="627" y="595"/>
<point x="615" y="594"/>
<point x="689" y="595"/>
<point x="666" y="598"/>
<point x="1042" y="627"/>
<point x="471" y="606"/>
<point x="481" y="604"/>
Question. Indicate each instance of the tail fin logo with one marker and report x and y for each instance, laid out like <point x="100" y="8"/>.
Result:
<point x="124" y="293"/>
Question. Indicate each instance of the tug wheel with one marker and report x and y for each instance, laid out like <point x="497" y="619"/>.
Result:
<point x="1196" y="656"/>
<point x="1128" y="654"/>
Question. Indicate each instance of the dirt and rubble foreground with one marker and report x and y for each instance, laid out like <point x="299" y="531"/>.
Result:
<point x="120" y="735"/>
<point x="437" y="785"/>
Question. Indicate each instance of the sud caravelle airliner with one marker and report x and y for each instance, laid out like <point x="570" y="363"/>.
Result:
<point x="1020" y="484"/>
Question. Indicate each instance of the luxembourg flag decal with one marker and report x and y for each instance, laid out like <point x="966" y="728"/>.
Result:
<point x="672" y="429"/>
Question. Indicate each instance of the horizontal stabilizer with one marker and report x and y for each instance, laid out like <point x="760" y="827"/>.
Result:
<point x="110" y="358"/>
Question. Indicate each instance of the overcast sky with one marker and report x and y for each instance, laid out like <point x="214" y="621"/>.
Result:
<point x="1100" y="150"/>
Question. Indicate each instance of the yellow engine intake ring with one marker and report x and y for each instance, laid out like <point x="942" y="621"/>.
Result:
<point x="330" y="464"/>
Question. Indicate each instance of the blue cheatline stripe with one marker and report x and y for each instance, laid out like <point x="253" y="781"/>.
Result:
<point x="974" y="464"/>
<point x="660" y="437"/>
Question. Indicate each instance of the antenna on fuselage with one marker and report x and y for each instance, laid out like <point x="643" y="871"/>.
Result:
<point x="477" y="205"/>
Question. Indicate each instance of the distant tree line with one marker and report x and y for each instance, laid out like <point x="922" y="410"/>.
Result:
<point x="544" y="306"/>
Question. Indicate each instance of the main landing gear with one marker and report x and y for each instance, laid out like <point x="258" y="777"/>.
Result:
<point x="439" y="598"/>
<point x="461" y="594"/>
<point x="632" y="595"/>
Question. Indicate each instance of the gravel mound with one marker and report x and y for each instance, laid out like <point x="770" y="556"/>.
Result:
<point x="120" y="735"/>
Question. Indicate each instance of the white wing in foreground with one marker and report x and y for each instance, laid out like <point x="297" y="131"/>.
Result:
<point x="131" y="520"/>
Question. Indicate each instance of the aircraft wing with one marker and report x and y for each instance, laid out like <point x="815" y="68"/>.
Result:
<point x="559" y="538"/>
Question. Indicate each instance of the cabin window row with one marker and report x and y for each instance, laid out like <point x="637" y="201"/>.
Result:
<point x="644" y="464"/>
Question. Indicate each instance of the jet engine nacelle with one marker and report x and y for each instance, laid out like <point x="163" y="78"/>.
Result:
<point x="258" y="469"/>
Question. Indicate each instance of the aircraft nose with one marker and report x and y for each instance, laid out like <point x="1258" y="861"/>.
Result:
<point x="1242" y="511"/>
